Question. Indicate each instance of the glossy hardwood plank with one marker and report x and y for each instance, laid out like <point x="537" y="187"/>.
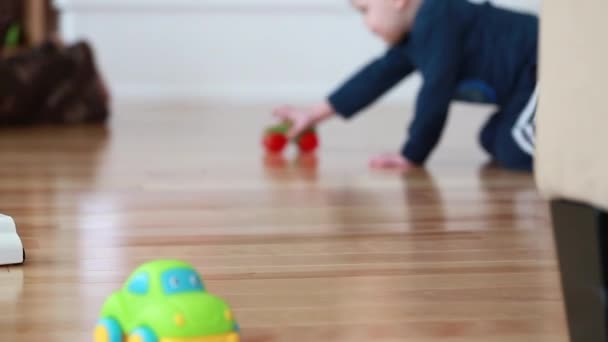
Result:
<point x="308" y="249"/>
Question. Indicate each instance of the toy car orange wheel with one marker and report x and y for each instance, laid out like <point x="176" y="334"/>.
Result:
<point x="108" y="330"/>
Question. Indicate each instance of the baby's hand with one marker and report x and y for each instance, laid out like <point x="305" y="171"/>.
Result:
<point x="303" y="118"/>
<point x="391" y="161"/>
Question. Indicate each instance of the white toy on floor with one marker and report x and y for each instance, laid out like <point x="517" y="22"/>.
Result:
<point x="11" y="247"/>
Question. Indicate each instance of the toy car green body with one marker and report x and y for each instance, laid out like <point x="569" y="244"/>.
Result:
<point x="165" y="301"/>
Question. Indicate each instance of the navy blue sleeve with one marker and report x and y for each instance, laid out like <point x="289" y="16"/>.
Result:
<point x="371" y="82"/>
<point x="441" y="56"/>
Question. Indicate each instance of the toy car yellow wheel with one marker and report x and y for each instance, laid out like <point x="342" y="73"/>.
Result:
<point x="233" y="338"/>
<point x="142" y="335"/>
<point x="108" y="330"/>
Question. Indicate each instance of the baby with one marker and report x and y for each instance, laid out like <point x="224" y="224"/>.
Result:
<point x="464" y="51"/>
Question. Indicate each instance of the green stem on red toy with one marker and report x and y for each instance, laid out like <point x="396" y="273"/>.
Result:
<point x="283" y="128"/>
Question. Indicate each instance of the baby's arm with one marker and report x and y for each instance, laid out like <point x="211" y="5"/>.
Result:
<point x="429" y="119"/>
<point x="358" y="92"/>
<point x="428" y="122"/>
<point x="371" y="82"/>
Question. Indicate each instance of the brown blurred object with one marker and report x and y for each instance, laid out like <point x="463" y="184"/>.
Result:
<point x="52" y="84"/>
<point x="41" y="80"/>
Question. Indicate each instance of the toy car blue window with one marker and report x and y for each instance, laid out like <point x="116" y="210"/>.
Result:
<point x="180" y="280"/>
<point x="140" y="284"/>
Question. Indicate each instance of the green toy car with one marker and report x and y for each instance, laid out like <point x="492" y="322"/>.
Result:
<point x="165" y="301"/>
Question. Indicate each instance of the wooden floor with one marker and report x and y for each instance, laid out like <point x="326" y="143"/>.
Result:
<point x="304" y="249"/>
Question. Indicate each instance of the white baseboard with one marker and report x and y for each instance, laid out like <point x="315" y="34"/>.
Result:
<point x="204" y="5"/>
<point x="243" y="94"/>
<point x="198" y="5"/>
<point x="192" y="93"/>
<point x="264" y="51"/>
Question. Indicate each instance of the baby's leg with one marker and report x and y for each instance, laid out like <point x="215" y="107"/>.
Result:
<point x="509" y="135"/>
<point x="487" y="136"/>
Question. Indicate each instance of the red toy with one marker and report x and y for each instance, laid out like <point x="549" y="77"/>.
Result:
<point x="308" y="142"/>
<point x="275" y="139"/>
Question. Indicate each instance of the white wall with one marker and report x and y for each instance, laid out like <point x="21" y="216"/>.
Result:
<point x="235" y="50"/>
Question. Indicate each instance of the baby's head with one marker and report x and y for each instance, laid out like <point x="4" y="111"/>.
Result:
<point x="389" y="19"/>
